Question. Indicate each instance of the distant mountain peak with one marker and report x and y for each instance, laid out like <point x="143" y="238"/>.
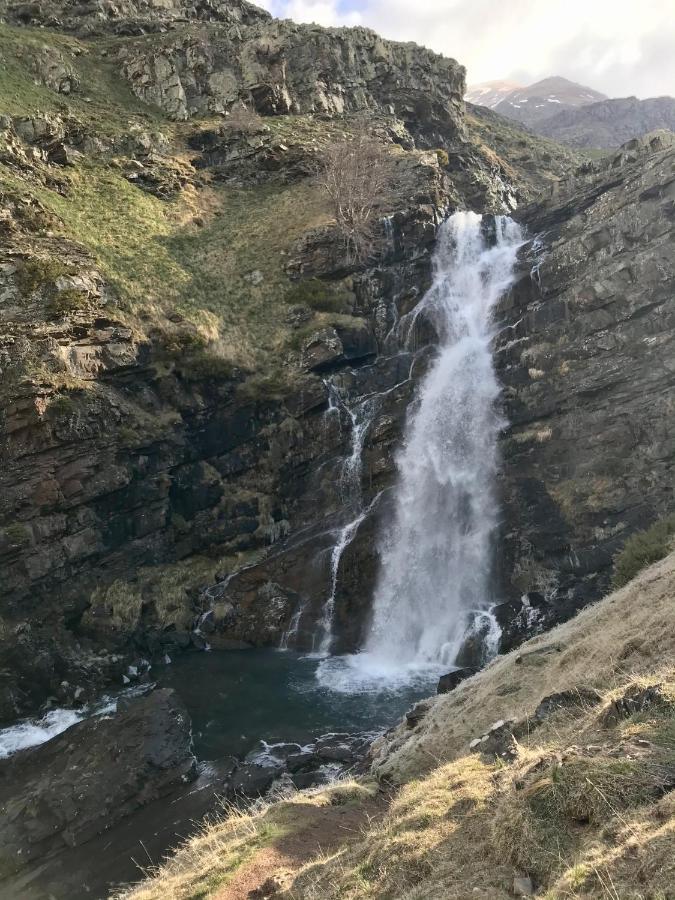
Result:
<point x="490" y="93"/>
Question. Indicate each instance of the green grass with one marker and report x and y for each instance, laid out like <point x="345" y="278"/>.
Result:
<point x="643" y="549"/>
<point x="104" y="101"/>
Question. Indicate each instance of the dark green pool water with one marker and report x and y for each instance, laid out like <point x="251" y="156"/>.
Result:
<point x="237" y="698"/>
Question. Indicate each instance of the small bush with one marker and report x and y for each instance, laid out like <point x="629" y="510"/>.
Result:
<point x="17" y="535"/>
<point x="319" y="296"/>
<point x="443" y="158"/>
<point x="643" y="549"/>
<point x="297" y="339"/>
<point x="62" y="406"/>
<point x="243" y="119"/>
<point x="66" y="302"/>
<point x="261" y="388"/>
<point x="33" y="273"/>
<point x="206" y="364"/>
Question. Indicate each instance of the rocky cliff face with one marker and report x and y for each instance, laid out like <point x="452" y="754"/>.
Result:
<point x="201" y="397"/>
<point x="585" y="356"/>
<point x="278" y="67"/>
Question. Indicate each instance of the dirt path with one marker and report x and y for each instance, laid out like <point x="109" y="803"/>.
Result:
<point x="324" y="828"/>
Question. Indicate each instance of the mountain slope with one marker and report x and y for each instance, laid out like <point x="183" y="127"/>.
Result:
<point x="542" y="99"/>
<point x="610" y="123"/>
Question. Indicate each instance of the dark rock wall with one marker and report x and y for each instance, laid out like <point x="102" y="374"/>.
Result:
<point x="586" y="354"/>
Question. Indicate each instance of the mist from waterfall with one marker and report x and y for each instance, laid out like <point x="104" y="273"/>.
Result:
<point x="435" y="579"/>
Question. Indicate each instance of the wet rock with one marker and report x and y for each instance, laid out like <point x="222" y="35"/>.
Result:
<point x="449" y="682"/>
<point x="279" y="752"/>
<point x="304" y="780"/>
<point x="94" y="774"/>
<point x="342" y="753"/>
<point x="585" y="329"/>
<point x="297" y="762"/>
<point x="253" y="779"/>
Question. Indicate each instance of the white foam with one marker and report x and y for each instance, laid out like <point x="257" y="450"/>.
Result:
<point x="368" y="673"/>
<point x="32" y="732"/>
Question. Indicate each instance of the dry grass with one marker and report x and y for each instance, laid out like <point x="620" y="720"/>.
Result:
<point x="207" y="862"/>
<point x="210" y="858"/>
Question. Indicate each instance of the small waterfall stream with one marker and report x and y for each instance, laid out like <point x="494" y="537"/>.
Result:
<point x="435" y="581"/>
<point x="351" y="492"/>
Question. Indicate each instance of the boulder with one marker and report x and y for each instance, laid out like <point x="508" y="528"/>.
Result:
<point x="575" y="698"/>
<point x="449" y="682"/>
<point x="415" y="715"/>
<point x="498" y="741"/>
<point x="82" y="782"/>
<point x="298" y="762"/>
<point x="253" y="780"/>
<point x="636" y="699"/>
<point x="323" y="350"/>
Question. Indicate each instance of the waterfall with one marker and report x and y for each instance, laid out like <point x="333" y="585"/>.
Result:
<point x="435" y="579"/>
<point x="352" y="496"/>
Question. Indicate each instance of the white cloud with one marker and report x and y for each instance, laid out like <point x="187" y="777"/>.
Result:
<point x="615" y="46"/>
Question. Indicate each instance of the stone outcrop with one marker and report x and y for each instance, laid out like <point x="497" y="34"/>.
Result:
<point x="278" y="67"/>
<point x="82" y="782"/>
<point x="130" y="17"/>
<point x="275" y="67"/>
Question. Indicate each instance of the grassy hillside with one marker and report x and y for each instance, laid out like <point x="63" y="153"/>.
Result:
<point x="191" y="253"/>
<point x="584" y="809"/>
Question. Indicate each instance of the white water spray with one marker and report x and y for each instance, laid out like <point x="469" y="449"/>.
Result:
<point x="435" y="575"/>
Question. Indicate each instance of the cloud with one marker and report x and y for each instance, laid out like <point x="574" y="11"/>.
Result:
<point x="615" y="46"/>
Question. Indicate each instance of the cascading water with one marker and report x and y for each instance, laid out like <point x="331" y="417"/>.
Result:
<point x="352" y="497"/>
<point x="435" y="574"/>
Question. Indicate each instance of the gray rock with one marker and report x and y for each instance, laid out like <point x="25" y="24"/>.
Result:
<point x="451" y="680"/>
<point x="636" y="699"/>
<point x="575" y="698"/>
<point x="298" y="762"/>
<point x="523" y="886"/>
<point x="253" y="780"/>
<point x="94" y="774"/>
<point x="498" y="741"/>
<point x="415" y="715"/>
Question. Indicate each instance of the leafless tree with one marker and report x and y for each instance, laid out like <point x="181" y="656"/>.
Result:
<point x="244" y="119"/>
<point x="355" y="173"/>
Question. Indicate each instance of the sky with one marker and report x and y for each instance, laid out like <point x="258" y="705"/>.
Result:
<point x="620" y="47"/>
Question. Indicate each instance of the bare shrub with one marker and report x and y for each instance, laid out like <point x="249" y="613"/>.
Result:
<point x="355" y="173"/>
<point x="244" y="119"/>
